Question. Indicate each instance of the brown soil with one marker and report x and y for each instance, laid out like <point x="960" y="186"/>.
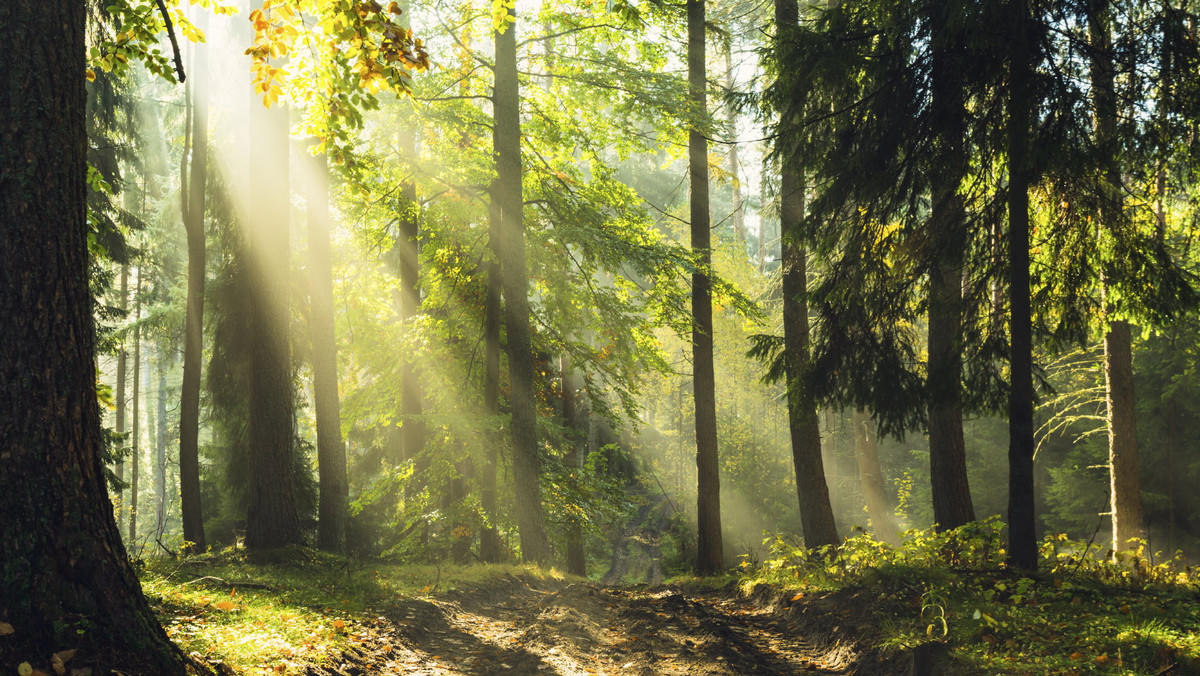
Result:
<point x="523" y="627"/>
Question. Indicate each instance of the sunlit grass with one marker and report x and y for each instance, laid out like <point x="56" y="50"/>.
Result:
<point x="276" y="612"/>
<point x="1079" y="615"/>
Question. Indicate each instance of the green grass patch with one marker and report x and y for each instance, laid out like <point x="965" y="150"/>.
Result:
<point x="1079" y="615"/>
<point x="277" y="611"/>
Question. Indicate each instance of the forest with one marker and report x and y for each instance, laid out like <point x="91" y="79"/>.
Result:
<point x="628" y="337"/>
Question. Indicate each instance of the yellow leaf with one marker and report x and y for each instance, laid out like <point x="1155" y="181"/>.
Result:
<point x="6" y="629"/>
<point x="91" y="75"/>
<point x="338" y="624"/>
<point x="226" y="605"/>
<point x="24" y="669"/>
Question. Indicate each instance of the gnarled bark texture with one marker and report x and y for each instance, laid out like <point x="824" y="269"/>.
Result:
<point x="65" y="580"/>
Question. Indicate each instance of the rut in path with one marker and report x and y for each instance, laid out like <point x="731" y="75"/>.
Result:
<point x="581" y="629"/>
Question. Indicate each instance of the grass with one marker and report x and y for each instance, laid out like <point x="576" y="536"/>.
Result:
<point x="273" y="613"/>
<point x="1081" y="615"/>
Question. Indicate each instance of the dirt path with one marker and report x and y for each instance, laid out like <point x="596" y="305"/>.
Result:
<point x="524" y="627"/>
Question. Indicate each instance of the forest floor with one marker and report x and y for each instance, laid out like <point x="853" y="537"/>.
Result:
<point x="869" y="610"/>
<point x="521" y="623"/>
<point x="523" y="626"/>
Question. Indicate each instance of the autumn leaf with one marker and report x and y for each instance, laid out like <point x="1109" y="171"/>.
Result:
<point x="6" y="629"/>
<point x="226" y="605"/>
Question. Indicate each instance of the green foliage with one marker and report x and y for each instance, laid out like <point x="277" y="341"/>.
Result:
<point x="1083" y="614"/>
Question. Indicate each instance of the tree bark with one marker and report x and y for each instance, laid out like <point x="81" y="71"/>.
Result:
<point x="576" y="438"/>
<point x="510" y="249"/>
<point x="870" y="474"/>
<point x="122" y="377"/>
<point x="1022" y="533"/>
<point x="1124" y="481"/>
<point x="271" y="519"/>
<point x="193" y="339"/>
<point x="947" y="449"/>
<point x="407" y="247"/>
<point x="136" y="433"/>
<point x="331" y="452"/>
<point x="709" y="551"/>
<point x="160" y="445"/>
<point x="489" y="538"/>
<point x="816" y="512"/>
<point x="64" y="578"/>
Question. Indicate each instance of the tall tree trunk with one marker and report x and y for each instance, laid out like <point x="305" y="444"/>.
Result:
<point x="816" y="512"/>
<point x="870" y="474"/>
<point x="122" y="376"/>
<point x="160" y="446"/>
<point x="489" y="538"/>
<point x="193" y="340"/>
<point x="510" y="250"/>
<point x="1125" y="484"/>
<point x="947" y="449"/>
<point x="331" y="452"/>
<point x="1022" y="533"/>
<point x="136" y="434"/>
<point x="65" y="579"/>
<point x="709" y="555"/>
<point x="576" y="439"/>
<point x="407" y="247"/>
<point x="271" y="519"/>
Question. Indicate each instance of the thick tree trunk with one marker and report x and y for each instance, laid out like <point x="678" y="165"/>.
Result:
<point x="710" y="556"/>
<point x="816" y="512"/>
<point x="489" y="538"/>
<point x="193" y="338"/>
<point x="64" y="577"/>
<point x="331" y="452"/>
<point x="1022" y="533"/>
<point x="1125" y="484"/>
<point x="947" y="449"/>
<point x="870" y="475"/>
<point x="271" y="519"/>
<point x="510" y="247"/>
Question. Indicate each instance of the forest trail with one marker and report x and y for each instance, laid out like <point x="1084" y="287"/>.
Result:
<point x="526" y="627"/>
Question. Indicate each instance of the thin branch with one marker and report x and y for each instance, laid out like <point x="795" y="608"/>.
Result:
<point x="162" y="7"/>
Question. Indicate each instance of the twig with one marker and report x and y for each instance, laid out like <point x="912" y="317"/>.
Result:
<point x="162" y="7"/>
